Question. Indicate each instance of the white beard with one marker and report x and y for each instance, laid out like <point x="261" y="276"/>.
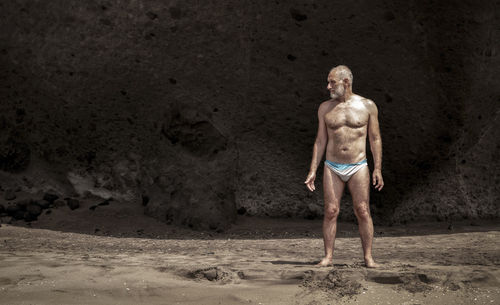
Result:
<point x="338" y="92"/>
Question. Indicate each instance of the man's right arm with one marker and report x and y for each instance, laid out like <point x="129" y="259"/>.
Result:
<point x="319" y="146"/>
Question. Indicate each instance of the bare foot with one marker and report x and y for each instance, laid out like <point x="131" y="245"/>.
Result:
<point x="370" y="263"/>
<point x="325" y="262"/>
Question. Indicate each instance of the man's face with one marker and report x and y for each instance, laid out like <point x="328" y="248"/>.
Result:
<point x="336" y="86"/>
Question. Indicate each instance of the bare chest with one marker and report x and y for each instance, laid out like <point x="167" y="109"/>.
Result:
<point x="342" y="116"/>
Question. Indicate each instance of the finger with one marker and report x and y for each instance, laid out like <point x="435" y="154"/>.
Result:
<point x="379" y="186"/>
<point x="374" y="180"/>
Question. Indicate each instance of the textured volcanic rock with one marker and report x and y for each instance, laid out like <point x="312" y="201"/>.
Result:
<point x="23" y="204"/>
<point x="12" y="209"/>
<point x="59" y="203"/>
<point x="50" y="197"/>
<point x="14" y="152"/>
<point x="198" y="189"/>
<point x="34" y="209"/>
<point x="73" y="203"/>
<point x="9" y="194"/>
<point x="200" y="109"/>
<point x="44" y="204"/>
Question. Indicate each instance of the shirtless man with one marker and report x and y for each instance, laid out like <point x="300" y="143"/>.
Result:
<point x="344" y="122"/>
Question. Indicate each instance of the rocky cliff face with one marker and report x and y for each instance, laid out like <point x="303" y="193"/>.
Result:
<point x="200" y="109"/>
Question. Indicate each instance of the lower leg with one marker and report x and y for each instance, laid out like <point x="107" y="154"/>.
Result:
<point x="359" y="187"/>
<point x="333" y="188"/>
<point x="329" y="232"/>
<point x="365" y="225"/>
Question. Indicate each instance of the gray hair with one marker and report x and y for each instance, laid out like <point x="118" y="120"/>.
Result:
<point x="343" y="72"/>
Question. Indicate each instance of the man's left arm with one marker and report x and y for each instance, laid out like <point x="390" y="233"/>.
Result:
<point x="375" y="145"/>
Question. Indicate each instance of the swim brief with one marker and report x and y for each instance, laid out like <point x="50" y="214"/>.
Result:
<point x="345" y="171"/>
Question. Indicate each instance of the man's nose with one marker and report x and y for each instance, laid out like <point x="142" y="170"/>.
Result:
<point x="328" y="86"/>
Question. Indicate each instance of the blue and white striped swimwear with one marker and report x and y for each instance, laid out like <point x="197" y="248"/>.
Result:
<point x="345" y="171"/>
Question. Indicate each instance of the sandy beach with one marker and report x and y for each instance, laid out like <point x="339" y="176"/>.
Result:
<point x="112" y="256"/>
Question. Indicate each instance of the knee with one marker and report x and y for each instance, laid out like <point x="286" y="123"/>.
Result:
<point x="362" y="211"/>
<point x="331" y="211"/>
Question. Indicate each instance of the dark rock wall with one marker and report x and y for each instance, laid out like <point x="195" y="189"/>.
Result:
<point x="208" y="107"/>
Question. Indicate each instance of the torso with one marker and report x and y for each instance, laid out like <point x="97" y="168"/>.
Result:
<point x="346" y="124"/>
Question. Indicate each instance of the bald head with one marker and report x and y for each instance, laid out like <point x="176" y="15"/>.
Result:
<point x="342" y="72"/>
<point x="339" y="82"/>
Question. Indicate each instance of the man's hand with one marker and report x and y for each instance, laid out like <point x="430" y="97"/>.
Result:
<point x="378" y="182"/>
<point x="310" y="181"/>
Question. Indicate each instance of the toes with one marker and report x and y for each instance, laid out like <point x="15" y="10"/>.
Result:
<point x="372" y="265"/>
<point x="324" y="263"/>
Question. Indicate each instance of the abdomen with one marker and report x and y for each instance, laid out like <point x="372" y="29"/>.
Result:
<point x="346" y="144"/>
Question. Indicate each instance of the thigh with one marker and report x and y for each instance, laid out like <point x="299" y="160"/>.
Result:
<point x="359" y="186"/>
<point x="333" y="187"/>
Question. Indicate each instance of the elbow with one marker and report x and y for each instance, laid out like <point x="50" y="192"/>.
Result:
<point x="375" y="144"/>
<point x="320" y="142"/>
<point x="375" y="139"/>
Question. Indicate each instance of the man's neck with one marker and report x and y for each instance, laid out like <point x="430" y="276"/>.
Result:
<point x="346" y="97"/>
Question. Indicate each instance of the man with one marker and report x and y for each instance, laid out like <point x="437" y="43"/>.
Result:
<point x="344" y="122"/>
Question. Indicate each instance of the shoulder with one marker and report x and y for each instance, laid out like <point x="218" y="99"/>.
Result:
<point x="325" y="106"/>
<point x="369" y="105"/>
